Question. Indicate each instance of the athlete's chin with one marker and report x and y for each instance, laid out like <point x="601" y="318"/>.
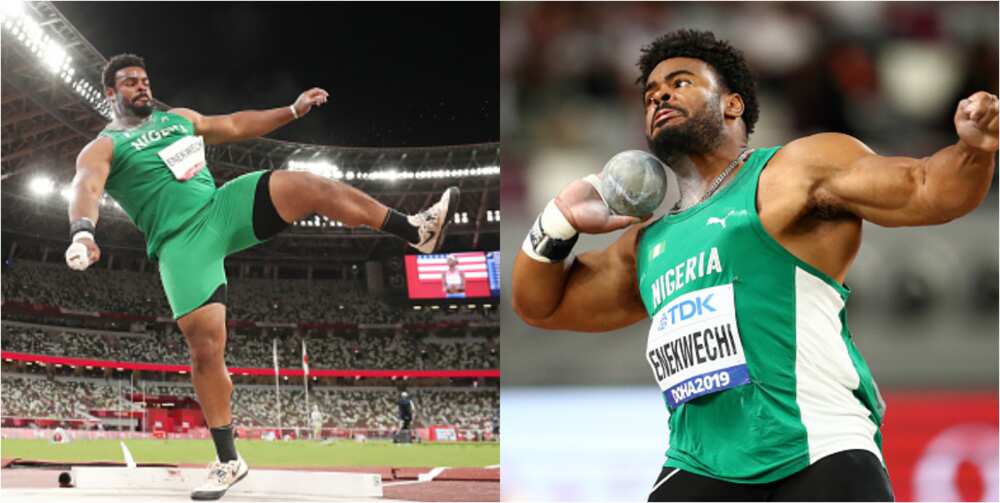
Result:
<point x="141" y="111"/>
<point x="664" y="137"/>
<point x="663" y="132"/>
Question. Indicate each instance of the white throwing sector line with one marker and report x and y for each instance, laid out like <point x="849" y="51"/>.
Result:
<point x="128" y="456"/>
<point x="491" y="467"/>
<point x="423" y="477"/>
<point x="429" y="476"/>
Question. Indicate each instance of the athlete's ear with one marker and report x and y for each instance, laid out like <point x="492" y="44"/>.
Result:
<point x="733" y="106"/>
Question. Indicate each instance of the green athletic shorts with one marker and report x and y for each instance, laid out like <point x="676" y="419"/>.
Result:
<point x="191" y="260"/>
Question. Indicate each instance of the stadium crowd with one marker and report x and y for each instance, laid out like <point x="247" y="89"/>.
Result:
<point x="259" y="300"/>
<point x="31" y="396"/>
<point x="375" y="350"/>
<point x="344" y="328"/>
<point x="41" y="397"/>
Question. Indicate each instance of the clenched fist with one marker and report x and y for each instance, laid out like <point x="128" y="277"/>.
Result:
<point x="82" y="253"/>
<point x="976" y="121"/>
<point x="311" y="98"/>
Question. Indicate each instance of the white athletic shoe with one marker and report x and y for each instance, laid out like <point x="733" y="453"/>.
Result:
<point x="432" y="222"/>
<point x="221" y="476"/>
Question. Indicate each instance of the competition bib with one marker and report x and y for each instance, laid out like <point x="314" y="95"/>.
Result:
<point x="694" y="346"/>
<point x="185" y="157"/>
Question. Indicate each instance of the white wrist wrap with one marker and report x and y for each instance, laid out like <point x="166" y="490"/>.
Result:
<point x="529" y="250"/>
<point x="294" y="113"/>
<point x="555" y="223"/>
<point x="82" y="234"/>
<point x="551" y="236"/>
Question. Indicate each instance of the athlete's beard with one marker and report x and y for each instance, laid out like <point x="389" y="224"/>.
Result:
<point x="140" y="111"/>
<point x="698" y="134"/>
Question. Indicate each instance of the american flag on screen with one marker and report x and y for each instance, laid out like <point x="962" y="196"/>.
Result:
<point x="425" y="275"/>
<point x="433" y="267"/>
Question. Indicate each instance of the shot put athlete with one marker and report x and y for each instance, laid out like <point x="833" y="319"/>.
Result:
<point x="767" y="396"/>
<point x="153" y="164"/>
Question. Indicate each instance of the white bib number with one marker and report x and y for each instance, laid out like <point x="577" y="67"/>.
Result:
<point x="185" y="157"/>
<point x="694" y="346"/>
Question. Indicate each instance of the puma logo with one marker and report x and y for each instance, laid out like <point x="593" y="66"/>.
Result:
<point x="722" y="221"/>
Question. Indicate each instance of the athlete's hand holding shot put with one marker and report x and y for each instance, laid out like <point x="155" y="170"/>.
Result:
<point x="767" y="396"/>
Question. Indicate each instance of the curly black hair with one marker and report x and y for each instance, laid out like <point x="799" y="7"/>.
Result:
<point x="727" y="61"/>
<point x="117" y="63"/>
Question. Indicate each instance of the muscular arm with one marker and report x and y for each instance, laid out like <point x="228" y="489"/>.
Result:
<point x="597" y="293"/>
<point x="893" y="191"/>
<point x="846" y="175"/>
<point x="92" y="168"/>
<point x="249" y="123"/>
<point x="236" y="126"/>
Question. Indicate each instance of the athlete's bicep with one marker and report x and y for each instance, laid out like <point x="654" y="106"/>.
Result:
<point x="597" y="293"/>
<point x="602" y="293"/>
<point x="847" y="176"/>
<point x="93" y="165"/>
<point x="214" y="128"/>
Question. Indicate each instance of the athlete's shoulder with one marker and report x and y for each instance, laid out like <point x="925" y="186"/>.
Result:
<point x="185" y="113"/>
<point x="821" y="152"/>
<point x="626" y="247"/>
<point x="96" y="154"/>
<point x="102" y="143"/>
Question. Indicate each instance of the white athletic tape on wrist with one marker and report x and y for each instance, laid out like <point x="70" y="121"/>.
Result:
<point x="77" y="256"/>
<point x="551" y="237"/>
<point x="595" y="181"/>
<point x="555" y="223"/>
<point x="294" y="113"/>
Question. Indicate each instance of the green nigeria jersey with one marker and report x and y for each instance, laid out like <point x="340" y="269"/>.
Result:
<point x="158" y="175"/>
<point x="749" y="344"/>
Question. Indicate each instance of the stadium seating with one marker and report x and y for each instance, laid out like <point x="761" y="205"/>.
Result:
<point x="38" y="396"/>
<point x="365" y="351"/>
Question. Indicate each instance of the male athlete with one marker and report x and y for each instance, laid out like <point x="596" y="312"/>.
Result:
<point x="316" y="417"/>
<point x="153" y="164"/>
<point x="767" y="396"/>
<point x="406" y="410"/>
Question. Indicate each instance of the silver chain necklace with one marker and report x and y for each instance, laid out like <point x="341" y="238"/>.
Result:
<point x="718" y="180"/>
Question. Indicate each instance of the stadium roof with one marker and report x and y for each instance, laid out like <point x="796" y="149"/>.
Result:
<point x="52" y="106"/>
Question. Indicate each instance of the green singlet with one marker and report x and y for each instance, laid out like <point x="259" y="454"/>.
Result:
<point x="749" y="344"/>
<point x="189" y="225"/>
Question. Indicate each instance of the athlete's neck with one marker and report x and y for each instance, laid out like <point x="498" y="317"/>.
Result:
<point x="125" y="121"/>
<point x="696" y="172"/>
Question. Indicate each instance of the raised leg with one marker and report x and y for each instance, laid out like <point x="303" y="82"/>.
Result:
<point x="297" y="195"/>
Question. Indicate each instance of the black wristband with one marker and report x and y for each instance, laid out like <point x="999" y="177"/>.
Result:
<point x="81" y="225"/>
<point x="547" y="246"/>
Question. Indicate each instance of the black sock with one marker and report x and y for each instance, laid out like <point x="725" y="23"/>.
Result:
<point x="225" y="448"/>
<point x="396" y="223"/>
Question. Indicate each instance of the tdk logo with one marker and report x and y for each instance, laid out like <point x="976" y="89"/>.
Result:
<point x="686" y="309"/>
